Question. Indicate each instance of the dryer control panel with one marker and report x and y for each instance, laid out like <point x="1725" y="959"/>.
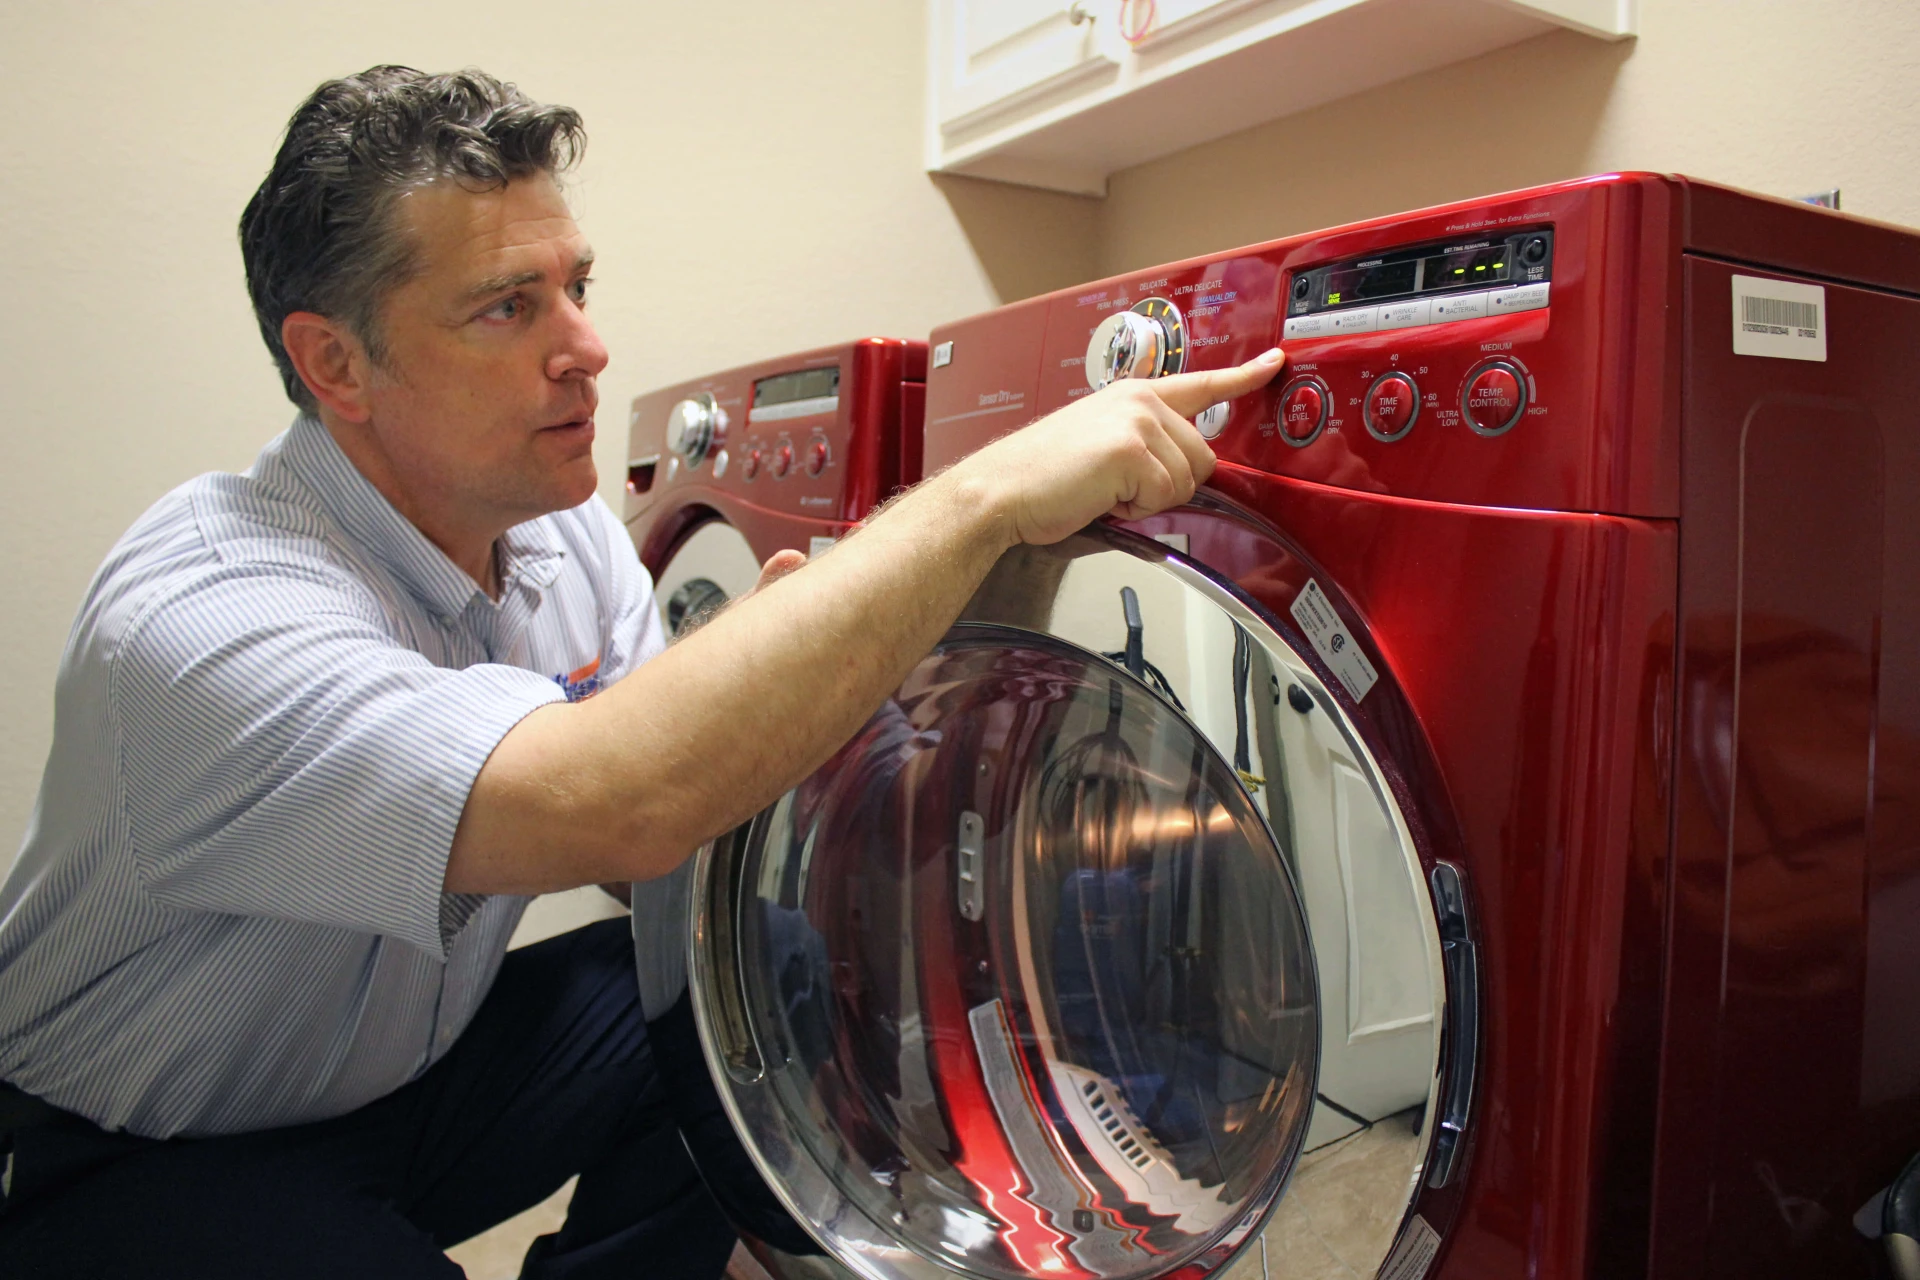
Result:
<point x="817" y="434"/>
<point x="1492" y="353"/>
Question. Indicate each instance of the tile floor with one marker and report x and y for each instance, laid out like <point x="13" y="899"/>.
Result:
<point x="1339" y="1216"/>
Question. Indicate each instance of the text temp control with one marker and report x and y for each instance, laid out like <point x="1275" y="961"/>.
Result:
<point x="1495" y="397"/>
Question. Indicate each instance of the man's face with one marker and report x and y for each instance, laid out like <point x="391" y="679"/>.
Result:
<point x="484" y="403"/>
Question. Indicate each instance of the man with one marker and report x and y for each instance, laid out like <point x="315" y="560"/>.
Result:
<point x="310" y="753"/>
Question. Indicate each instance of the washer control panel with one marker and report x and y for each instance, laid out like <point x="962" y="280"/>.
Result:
<point x="1492" y="352"/>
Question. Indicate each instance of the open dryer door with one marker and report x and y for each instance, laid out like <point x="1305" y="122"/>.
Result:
<point x="1033" y="978"/>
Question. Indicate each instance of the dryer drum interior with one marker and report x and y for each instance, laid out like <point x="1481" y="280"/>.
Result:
<point x="1070" y="962"/>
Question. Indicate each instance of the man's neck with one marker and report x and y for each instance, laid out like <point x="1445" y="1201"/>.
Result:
<point x="472" y="547"/>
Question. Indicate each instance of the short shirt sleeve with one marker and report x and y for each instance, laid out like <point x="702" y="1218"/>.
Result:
<point x="282" y="755"/>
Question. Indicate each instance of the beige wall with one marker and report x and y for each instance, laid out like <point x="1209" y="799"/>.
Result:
<point x="753" y="185"/>
<point x="1785" y="97"/>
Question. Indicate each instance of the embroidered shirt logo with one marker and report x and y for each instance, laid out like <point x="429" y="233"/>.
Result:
<point x="581" y="684"/>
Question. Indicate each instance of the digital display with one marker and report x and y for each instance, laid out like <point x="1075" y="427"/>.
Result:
<point x="1370" y="280"/>
<point x="1415" y="271"/>
<point x="785" y="388"/>
<point x="1466" y="267"/>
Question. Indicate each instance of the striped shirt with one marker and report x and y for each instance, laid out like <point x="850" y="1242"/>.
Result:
<point x="228" y="911"/>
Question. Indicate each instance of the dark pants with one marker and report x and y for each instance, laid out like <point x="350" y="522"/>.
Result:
<point x="554" y="1077"/>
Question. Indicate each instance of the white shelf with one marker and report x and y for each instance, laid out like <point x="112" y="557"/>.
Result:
<point x="1020" y="92"/>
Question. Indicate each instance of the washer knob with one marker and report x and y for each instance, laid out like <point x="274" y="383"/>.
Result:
<point x="1148" y="341"/>
<point x="782" y="461"/>
<point x="695" y="428"/>
<point x="1495" y="397"/>
<point x="817" y="455"/>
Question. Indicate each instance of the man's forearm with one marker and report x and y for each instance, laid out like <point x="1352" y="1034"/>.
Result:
<point x="623" y="786"/>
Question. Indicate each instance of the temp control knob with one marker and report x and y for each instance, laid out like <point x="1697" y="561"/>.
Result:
<point x="1303" y="410"/>
<point x="750" y="469"/>
<point x="817" y="455"/>
<point x="695" y="428"/>
<point x="1149" y="341"/>
<point x="1495" y="397"/>
<point x="1391" y="405"/>
<point x="782" y="461"/>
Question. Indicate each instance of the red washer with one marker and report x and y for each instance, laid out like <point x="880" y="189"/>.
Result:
<point x="1495" y="397"/>
<point x="1303" y="410"/>
<point x="1646" y="675"/>
<point x="1392" y="404"/>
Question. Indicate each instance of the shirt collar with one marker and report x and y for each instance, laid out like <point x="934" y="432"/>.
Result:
<point x="530" y="554"/>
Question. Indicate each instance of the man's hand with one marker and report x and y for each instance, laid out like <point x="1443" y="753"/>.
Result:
<point x="1129" y="450"/>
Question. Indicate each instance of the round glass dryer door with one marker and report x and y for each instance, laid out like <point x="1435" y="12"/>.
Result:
<point x="1024" y="982"/>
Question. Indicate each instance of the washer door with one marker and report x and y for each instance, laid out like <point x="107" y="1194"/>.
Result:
<point x="1029" y="980"/>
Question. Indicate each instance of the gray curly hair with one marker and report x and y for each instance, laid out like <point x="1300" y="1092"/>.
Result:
<point x="320" y="234"/>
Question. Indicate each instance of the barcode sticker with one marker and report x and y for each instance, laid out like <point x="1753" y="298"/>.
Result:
<point x="1779" y="319"/>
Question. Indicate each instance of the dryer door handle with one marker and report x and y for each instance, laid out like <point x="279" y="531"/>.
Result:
<point x="1460" y="958"/>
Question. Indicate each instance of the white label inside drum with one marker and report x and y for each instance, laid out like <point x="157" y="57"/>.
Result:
<point x="1314" y="612"/>
<point x="1779" y="319"/>
<point x="1414" y="1253"/>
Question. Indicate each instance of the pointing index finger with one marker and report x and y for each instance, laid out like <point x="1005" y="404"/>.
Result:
<point x="1188" y="393"/>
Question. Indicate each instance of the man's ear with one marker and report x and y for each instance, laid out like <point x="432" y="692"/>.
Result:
<point x="331" y="361"/>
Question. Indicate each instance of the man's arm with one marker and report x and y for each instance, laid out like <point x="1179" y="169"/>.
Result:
<point x="624" y="786"/>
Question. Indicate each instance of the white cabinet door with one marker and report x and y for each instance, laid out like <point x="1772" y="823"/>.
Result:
<point x="997" y="61"/>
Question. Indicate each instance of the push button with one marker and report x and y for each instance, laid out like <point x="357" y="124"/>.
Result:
<point x="1494" y="398"/>
<point x="1392" y="403"/>
<point x="1303" y="410"/>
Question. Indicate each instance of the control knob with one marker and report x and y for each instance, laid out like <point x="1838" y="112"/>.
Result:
<point x="1303" y="410"/>
<point x="1148" y="341"/>
<point x="1495" y="396"/>
<point x="782" y="461"/>
<point x="695" y="428"/>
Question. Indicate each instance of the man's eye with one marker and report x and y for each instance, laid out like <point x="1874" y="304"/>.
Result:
<point x="578" y="289"/>
<point x="505" y="309"/>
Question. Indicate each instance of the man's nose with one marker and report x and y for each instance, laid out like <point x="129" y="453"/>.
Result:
<point x="577" y="348"/>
